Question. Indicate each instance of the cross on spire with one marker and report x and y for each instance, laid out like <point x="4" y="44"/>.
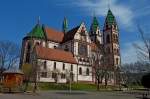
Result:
<point x="108" y="4"/>
<point x="38" y="22"/>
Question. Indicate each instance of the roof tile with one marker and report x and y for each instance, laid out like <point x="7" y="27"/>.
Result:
<point x="55" y="54"/>
<point x="54" y="35"/>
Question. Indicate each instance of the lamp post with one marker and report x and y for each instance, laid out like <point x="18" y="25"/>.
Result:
<point x="70" y="72"/>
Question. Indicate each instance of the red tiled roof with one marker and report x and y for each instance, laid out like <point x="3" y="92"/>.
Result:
<point x="55" y="54"/>
<point x="54" y="35"/>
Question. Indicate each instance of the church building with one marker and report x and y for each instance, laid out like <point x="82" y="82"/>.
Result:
<point x="76" y="53"/>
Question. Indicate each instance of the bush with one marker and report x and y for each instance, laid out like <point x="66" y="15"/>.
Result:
<point x="146" y="80"/>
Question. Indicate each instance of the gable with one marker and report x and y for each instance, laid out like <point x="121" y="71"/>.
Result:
<point x="82" y="32"/>
<point x="70" y="34"/>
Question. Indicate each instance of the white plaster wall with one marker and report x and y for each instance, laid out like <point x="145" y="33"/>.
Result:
<point x="77" y="35"/>
<point x="75" y="48"/>
<point x="52" y="44"/>
<point x="59" y="67"/>
<point x="84" y="77"/>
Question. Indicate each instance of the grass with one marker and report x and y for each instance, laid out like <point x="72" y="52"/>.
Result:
<point x="74" y="86"/>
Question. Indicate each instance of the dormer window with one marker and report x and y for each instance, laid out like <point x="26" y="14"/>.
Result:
<point x="66" y="48"/>
<point x="108" y="39"/>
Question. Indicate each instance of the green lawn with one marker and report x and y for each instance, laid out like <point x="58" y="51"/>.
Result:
<point x="74" y="86"/>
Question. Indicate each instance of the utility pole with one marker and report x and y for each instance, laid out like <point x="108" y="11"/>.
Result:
<point x="70" y="81"/>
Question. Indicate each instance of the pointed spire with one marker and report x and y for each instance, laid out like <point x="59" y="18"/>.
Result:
<point x="37" y="31"/>
<point x="65" y="25"/>
<point x="110" y="19"/>
<point x="108" y="4"/>
<point x="38" y="21"/>
<point x="95" y="24"/>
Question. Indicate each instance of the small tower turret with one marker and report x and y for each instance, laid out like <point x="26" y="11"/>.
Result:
<point x="95" y="33"/>
<point x="65" y="25"/>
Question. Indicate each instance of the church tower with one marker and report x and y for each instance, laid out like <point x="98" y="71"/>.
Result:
<point x="111" y="42"/>
<point x="95" y="33"/>
<point x="35" y="37"/>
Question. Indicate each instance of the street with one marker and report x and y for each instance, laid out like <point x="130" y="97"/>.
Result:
<point x="72" y="95"/>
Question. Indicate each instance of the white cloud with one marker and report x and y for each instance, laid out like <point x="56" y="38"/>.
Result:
<point x="123" y="13"/>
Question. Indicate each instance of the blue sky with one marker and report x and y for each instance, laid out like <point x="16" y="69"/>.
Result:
<point x="18" y="17"/>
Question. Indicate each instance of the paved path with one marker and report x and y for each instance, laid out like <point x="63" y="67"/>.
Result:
<point x="73" y="95"/>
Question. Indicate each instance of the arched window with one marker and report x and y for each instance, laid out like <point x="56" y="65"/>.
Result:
<point x="80" y="71"/>
<point x="108" y="39"/>
<point x="28" y="53"/>
<point x="45" y="65"/>
<point x="63" y="66"/>
<point x="66" y="48"/>
<point x="54" y="65"/>
<point x="71" y="67"/>
<point x="87" y="72"/>
<point x="117" y="61"/>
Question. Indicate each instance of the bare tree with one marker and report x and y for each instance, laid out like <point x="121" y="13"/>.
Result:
<point x="133" y="72"/>
<point x="143" y="51"/>
<point x="9" y="55"/>
<point x="99" y="66"/>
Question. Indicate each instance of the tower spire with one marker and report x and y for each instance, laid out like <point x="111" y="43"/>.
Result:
<point x="65" y="25"/>
<point x="108" y="4"/>
<point x="38" y="21"/>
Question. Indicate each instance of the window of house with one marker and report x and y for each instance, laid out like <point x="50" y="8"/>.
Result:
<point x="63" y="76"/>
<point x="117" y="61"/>
<point x="80" y="71"/>
<point x="45" y="65"/>
<point x="87" y="72"/>
<point x="28" y="53"/>
<point x="54" y="75"/>
<point x="114" y="50"/>
<point x="44" y="74"/>
<point x="63" y="66"/>
<point x="71" y="67"/>
<point x="108" y="39"/>
<point x="54" y="65"/>
<point x="82" y="49"/>
<point x="115" y="26"/>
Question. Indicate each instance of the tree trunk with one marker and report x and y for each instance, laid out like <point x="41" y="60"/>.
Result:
<point x="26" y="86"/>
<point x="98" y="84"/>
